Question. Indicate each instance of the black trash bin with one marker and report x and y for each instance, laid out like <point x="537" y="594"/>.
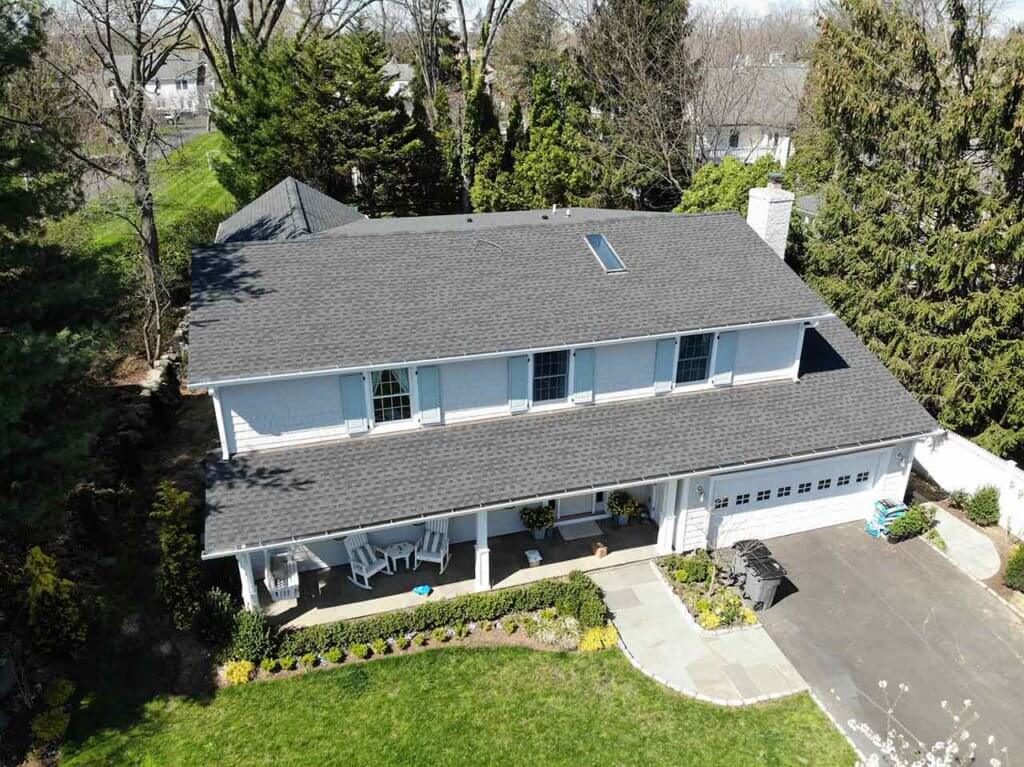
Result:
<point x="748" y="551"/>
<point x="763" y="579"/>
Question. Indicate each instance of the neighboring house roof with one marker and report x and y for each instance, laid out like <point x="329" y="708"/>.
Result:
<point x="337" y="302"/>
<point x="288" y="210"/>
<point x="755" y="95"/>
<point x="402" y="73"/>
<point x="845" y="399"/>
<point x="808" y="205"/>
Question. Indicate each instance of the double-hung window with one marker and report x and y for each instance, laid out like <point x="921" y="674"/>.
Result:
<point x="391" y="401"/>
<point x="550" y="375"/>
<point x="694" y="358"/>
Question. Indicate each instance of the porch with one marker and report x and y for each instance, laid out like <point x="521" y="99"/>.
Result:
<point x="327" y="595"/>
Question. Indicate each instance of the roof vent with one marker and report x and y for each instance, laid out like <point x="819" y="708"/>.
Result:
<point x="469" y="220"/>
<point x="544" y="216"/>
<point x="605" y="253"/>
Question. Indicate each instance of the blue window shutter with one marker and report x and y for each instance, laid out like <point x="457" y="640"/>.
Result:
<point x="583" y="376"/>
<point x="725" y="359"/>
<point x="353" y="403"/>
<point x="518" y="384"/>
<point x="664" y="364"/>
<point x="429" y="379"/>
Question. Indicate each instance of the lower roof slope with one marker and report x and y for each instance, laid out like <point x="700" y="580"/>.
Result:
<point x="288" y="210"/>
<point x="844" y="398"/>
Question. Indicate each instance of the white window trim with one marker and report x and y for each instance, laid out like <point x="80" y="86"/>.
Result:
<point x="387" y="427"/>
<point x="694" y="385"/>
<point x="553" y="404"/>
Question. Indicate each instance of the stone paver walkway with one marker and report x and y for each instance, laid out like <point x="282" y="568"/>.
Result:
<point x="971" y="550"/>
<point x="733" y="669"/>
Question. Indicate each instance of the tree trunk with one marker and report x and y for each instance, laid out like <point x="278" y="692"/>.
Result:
<point x="155" y="290"/>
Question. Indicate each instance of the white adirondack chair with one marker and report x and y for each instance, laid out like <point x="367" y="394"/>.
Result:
<point x="365" y="560"/>
<point x="433" y="546"/>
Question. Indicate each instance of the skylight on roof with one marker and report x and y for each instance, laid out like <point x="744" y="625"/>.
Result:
<point x="605" y="253"/>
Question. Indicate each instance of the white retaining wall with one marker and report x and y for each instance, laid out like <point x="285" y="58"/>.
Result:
<point x="956" y="463"/>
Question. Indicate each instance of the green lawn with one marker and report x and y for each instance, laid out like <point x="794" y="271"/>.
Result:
<point x="181" y="181"/>
<point x="465" y="706"/>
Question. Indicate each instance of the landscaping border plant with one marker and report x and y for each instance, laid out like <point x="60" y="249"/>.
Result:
<point x="576" y="596"/>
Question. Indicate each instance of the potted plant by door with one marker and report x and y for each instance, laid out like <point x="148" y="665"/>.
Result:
<point x="538" y="519"/>
<point x="622" y="507"/>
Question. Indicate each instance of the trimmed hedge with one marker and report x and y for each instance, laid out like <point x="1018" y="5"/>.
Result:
<point x="917" y="521"/>
<point x="577" y="595"/>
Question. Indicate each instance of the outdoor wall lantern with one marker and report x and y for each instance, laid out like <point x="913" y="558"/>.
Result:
<point x="901" y="458"/>
<point x="700" y="492"/>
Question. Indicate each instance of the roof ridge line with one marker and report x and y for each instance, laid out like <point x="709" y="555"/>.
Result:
<point x="295" y="200"/>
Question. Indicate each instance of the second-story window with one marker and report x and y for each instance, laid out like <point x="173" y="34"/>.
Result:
<point x="550" y="375"/>
<point x="694" y="356"/>
<point x="391" y="395"/>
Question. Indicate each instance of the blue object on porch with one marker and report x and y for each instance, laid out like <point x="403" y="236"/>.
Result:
<point x="423" y="590"/>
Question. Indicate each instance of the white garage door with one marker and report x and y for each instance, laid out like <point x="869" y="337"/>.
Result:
<point x="773" y="502"/>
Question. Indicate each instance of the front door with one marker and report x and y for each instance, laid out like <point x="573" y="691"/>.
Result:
<point x="576" y="507"/>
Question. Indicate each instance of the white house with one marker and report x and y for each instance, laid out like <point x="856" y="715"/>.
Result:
<point x="387" y="373"/>
<point x="749" y="111"/>
<point x="183" y="85"/>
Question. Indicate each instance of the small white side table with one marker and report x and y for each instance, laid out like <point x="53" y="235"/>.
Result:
<point x="401" y="550"/>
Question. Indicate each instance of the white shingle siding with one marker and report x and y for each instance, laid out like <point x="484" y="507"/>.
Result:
<point x="475" y="389"/>
<point x="304" y="411"/>
<point x="623" y="370"/>
<point x="766" y="353"/>
<point x="282" y="413"/>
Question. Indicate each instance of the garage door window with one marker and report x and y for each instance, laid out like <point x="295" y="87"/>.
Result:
<point x="763" y="495"/>
<point x="742" y="498"/>
<point x="824" y="484"/>
<point x="721" y="503"/>
<point x="783" y="492"/>
<point x="863" y="476"/>
<point x="805" y="487"/>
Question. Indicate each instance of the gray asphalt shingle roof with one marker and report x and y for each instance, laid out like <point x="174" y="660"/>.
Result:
<point x="844" y="398"/>
<point x="288" y="210"/>
<point x="329" y="302"/>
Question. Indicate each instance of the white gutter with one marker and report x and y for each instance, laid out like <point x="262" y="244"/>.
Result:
<point x="710" y="471"/>
<point x="499" y="353"/>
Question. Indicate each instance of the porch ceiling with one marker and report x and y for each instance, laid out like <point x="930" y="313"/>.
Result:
<point x="844" y="398"/>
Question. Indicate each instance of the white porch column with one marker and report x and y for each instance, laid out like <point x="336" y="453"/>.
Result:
<point x="666" y="515"/>
<point x="250" y="596"/>
<point x="483" y="554"/>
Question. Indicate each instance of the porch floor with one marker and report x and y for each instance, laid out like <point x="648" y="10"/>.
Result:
<point x="326" y="596"/>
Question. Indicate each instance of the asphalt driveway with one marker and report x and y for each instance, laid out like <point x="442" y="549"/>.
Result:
<point x="864" y="610"/>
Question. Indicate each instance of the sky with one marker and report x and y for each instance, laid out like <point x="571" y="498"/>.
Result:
<point x="1011" y="11"/>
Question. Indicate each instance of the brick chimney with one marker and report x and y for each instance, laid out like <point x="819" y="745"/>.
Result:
<point x="768" y="213"/>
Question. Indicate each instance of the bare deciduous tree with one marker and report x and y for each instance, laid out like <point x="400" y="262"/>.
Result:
<point x="637" y="60"/>
<point x="223" y="25"/>
<point x="108" y="53"/>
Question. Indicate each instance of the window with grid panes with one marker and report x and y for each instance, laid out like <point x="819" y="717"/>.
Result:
<point x="694" y="356"/>
<point x="391" y="401"/>
<point x="550" y="375"/>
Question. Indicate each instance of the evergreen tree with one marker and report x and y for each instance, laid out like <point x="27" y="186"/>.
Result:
<point x="491" y="182"/>
<point x="555" y="165"/>
<point x="726" y="186"/>
<point x="319" y="110"/>
<point x="919" y="245"/>
<point x="449" y="179"/>
<point x="515" y="135"/>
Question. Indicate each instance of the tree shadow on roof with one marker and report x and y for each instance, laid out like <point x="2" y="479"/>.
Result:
<point x="818" y="355"/>
<point x="221" y="275"/>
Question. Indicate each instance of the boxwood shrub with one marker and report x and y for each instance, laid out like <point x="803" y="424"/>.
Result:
<point x="1014" y="574"/>
<point x="577" y="596"/>
<point x="983" y="508"/>
<point x="917" y="521"/>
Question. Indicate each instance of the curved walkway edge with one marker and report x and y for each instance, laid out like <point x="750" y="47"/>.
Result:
<point x="660" y="640"/>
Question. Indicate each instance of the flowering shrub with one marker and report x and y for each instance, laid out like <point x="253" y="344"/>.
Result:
<point x="600" y="638"/>
<point x="896" y="746"/>
<point x="239" y="671"/>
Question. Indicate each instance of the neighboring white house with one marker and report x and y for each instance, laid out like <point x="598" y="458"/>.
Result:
<point x="387" y="372"/>
<point x="183" y="85"/>
<point x="749" y="111"/>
